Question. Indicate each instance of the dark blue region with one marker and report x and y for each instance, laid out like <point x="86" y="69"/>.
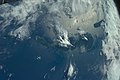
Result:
<point x="23" y="63"/>
<point x="8" y="1"/>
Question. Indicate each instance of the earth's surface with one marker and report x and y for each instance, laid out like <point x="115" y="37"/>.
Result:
<point x="59" y="40"/>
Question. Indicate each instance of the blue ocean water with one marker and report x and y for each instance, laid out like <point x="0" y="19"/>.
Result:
<point x="29" y="60"/>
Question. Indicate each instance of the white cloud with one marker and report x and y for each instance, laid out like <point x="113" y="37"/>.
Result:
<point x="111" y="45"/>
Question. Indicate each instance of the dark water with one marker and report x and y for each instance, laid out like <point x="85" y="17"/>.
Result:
<point x="29" y="60"/>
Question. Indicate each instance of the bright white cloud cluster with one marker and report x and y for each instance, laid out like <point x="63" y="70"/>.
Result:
<point x="111" y="45"/>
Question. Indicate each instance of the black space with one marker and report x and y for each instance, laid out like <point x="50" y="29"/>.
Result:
<point x="117" y="2"/>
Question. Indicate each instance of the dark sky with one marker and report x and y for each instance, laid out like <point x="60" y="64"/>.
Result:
<point x="117" y="2"/>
